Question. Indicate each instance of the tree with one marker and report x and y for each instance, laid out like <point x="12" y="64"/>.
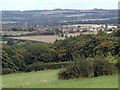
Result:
<point x="101" y="33"/>
<point x="104" y="47"/>
<point x="38" y="52"/>
<point x="13" y="58"/>
<point x="116" y="33"/>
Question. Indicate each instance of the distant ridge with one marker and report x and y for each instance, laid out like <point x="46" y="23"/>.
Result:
<point x="57" y="9"/>
<point x="60" y="16"/>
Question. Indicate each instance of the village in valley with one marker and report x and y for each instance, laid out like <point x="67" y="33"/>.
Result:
<point x="68" y="29"/>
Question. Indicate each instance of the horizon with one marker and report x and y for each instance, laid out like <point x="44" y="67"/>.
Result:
<point x="23" y="5"/>
<point x="62" y="9"/>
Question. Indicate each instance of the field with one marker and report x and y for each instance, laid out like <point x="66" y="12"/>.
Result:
<point x="78" y="15"/>
<point x="48" y="79"/>
<point x="76" y="34"/>
<point x="14" y="33"/>
<point x="53" y="17"/>
<point x="41" y="38"/>
<point x="85" y="25"/>
<point x="90" y="25"/>
<point x="49" y="38"/>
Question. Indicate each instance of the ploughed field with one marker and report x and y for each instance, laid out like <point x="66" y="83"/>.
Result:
<point x="41" y="38"/>
<point x="49" y="79"/>
<point x="49" y="38"/>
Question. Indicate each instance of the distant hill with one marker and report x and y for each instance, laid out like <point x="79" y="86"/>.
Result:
<point x="60" y="17"/>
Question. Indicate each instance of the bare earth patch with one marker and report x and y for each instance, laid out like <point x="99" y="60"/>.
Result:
<point x="43" y="81"/>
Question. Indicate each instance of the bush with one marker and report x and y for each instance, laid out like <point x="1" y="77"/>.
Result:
<point x="118" y="64"/>
<point x="82" y="69"/>
<point x="116" y="33"/>
<point x="97" y="66"/>
<point x="103" y="67"/>
<point x="6" y="71"/>
<point x="101" y="33"/>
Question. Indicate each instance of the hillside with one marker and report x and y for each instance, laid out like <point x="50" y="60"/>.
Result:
<point x="48" y="79"/>
<point x="60" y="17"/>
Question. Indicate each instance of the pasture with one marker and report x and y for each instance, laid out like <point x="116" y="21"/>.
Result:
<point x="14" y="33"/>
<point x="48" y="79"/>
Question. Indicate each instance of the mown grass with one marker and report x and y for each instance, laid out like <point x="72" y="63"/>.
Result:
<point x="48" y="79"/>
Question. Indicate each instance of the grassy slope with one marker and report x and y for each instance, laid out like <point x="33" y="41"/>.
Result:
<point x="48" y="79"/>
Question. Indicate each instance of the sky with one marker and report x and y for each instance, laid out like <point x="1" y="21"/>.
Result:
<point x="52" y="4"/>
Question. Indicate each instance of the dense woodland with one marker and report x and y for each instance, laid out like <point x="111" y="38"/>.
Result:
<point x="26" y="56"/>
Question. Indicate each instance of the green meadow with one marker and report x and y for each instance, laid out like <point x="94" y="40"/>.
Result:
<point x="49" y="79"/>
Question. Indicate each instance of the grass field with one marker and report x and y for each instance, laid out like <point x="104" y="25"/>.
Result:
<point x="85" y="25"/>
<point x="14" y="33"/>
<point x="48" y="79"/>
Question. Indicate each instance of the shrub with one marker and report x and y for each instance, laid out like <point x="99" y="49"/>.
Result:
<point x="97" y="66"/>
<point x="111" y="59"/>
<point x="103" y="67"/>
<point x="101" y="33"/>
<point x="118" y="64"/>
<point x="82" y="69"/>
<point x="6" y="71"/>
<point x="116" y="33"/>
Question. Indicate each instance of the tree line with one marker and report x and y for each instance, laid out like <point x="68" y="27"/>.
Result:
<point x="30" y="56"/>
